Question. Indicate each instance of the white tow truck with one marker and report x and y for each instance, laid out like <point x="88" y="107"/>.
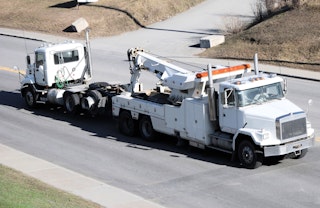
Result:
<point x="223" y="108"/>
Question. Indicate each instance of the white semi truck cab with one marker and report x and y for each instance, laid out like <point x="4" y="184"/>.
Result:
<point x="60" y="74"/>
<point x="224" y="108"/>
<point x="58" y="64"/>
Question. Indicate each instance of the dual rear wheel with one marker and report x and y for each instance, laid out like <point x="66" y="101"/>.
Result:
<point x="72" y="102"/>
<point x="130" y="127"/>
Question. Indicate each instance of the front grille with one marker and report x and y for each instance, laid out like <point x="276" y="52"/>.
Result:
<point x="292" y="128"/>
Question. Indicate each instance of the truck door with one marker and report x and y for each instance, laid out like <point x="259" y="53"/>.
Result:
<point x="228" y="112"/>
<point x="40" y="68"/>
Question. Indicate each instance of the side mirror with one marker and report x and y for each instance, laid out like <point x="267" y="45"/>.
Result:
<point x="28" y="60"/>
<point x="310" y="101"/>
<point x="285" y="86"/>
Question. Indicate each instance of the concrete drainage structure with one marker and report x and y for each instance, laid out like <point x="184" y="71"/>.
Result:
<point x="211" y="40"/>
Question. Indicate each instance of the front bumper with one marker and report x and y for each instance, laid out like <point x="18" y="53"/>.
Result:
<point x="290" y="147"/>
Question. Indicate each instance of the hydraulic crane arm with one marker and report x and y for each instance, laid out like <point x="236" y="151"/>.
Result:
<point x="169" y="74"/>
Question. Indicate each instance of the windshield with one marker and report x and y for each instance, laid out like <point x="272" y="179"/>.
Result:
<point x="259" y="95"/>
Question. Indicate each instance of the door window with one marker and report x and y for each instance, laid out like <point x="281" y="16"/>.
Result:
<point x="229" y="95"/>
<point x="66" y="57"/>
<point x="39" y="59"/>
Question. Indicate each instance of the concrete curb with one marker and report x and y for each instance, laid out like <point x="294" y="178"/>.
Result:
<point x="31" y="35"/>
<point x="72" y="182"/>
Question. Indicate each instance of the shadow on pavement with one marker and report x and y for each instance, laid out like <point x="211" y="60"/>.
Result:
<point x="12" y="99"/>
<point x="104" y="126"/>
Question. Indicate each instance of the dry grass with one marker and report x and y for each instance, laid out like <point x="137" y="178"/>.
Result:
<point x="291" y="38"/>
<point x="106" y="17"/>
<point x="18" y="190"/>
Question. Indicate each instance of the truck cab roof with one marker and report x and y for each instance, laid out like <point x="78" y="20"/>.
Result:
<point x="252" y="81"/>
<point x="67" y="45"/>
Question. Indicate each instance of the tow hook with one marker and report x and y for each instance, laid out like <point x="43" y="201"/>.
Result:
<point x="297" y="153"/>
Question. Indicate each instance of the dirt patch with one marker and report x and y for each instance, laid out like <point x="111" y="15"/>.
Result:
<point x="290" y="39"/>
<point x="105" y="17"/>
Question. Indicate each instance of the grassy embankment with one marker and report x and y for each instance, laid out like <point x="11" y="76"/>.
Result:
<point x="18" y="190"/>
<point x="105" y="17"/>
<point x="291" y="38"/>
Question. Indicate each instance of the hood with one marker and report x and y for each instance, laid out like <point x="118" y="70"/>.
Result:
<point x="264" y="116"/>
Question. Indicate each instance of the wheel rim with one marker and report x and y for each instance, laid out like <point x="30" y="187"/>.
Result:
<point x="247" y="155"/>
<point x="29" y="98"/>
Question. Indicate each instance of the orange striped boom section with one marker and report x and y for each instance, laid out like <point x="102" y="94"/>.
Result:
<point x="224" y="70"/>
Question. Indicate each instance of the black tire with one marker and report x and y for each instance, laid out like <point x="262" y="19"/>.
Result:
<point x="108" y="106"/>
<point x="30" y="97"/>
<point x="102" y="105"/>
<point x="146" y="129"/>
<point x="303" y="153"/>
<point x="248" y="156"/>
<point x="71" y="102"/>
<point x="126" y="124"/>
<point x="96" y="95"/>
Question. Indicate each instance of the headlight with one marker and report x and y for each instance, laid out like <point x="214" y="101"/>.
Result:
<point x="308" y="125"/>
<point x="263" y="134"/>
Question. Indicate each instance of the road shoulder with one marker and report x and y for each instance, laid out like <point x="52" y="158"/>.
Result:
<point x="70" y="181"/>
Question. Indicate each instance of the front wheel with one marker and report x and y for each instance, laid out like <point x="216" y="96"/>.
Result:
<point x="248" y="156"/>
<point x="30" y="97"/>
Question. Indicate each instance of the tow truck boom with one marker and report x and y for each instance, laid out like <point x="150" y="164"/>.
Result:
<point x="181" y="82"/>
